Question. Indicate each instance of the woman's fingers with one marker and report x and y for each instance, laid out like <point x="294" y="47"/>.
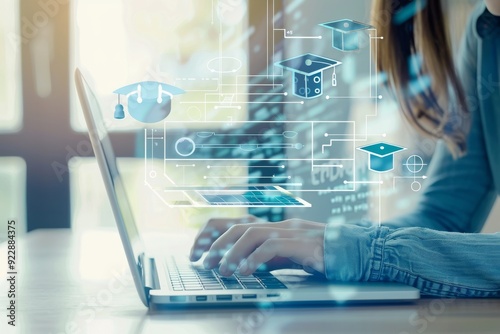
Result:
<point x="302" y="224"/>
<point x="279" y="263"/>
<point x="248" y="243"/>
<point x="237" y="240"/>
<point x="267" y="251"/>
<point x="304" y="251"/>
<point x="260" y="240"/>
<point x="250" y="240"/>
<point x="212" y="230"/>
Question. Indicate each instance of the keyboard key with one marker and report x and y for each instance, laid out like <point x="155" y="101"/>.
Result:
<point x="274" y="279"/>
<point x="213" y="287"/>
<point x="191" y="283"/>
<point x="228" y="280"/>
<point x="206" y="275"/>
<point x="207" y="285"/>
<point x="190" y="280"/>
<point x="212" y="284"/>
<point x="233" y="286"/>
<point x="181" y="275"/>
<point x="276" y="286"/>
<point x="253" y="286"/>
<point x="249" y="279"/>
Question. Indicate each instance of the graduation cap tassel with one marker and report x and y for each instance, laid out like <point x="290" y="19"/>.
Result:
<point x="334" y="78"/>
<point x="119" y="110"/>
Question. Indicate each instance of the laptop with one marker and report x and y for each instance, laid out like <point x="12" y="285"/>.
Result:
<point x="170" y="280"/>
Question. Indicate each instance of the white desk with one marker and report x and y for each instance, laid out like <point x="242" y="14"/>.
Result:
<point x="68" y="284"/>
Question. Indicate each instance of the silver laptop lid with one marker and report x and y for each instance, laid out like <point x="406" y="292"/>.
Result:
<point x="129" y="234"/>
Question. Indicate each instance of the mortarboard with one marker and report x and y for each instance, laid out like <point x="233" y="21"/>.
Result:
<point x="346" y="34"/>
<point x="147" y="101"/>
<point x="381" y="156"/>
<point x="308" y="74"/>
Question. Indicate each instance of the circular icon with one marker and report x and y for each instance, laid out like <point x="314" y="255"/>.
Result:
<point x="416" y="186"/>
<point x="185" y="147"/>
<point x="224" y="65"/>
<point x="153" y="174"/>
<point x="414" y="164"/>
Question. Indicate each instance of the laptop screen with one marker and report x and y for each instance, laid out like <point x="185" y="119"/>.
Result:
<point x="107" y="164"/>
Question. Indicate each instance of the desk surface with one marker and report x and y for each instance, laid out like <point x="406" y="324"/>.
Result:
<point x="79" y="283"/>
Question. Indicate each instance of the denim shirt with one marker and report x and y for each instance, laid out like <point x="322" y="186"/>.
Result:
<point x="437" y="248"/>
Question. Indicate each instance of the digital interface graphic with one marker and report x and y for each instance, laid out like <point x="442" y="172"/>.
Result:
<point x="347" y="34"/>
<point x="300" y="130"/>
<point x="308" y="74"/>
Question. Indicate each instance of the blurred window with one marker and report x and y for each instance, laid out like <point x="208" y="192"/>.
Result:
<point x="176" y="42"/>
<point x="10" y="70"/>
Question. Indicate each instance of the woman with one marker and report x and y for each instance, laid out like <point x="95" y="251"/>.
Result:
<point x="437" y="248"/>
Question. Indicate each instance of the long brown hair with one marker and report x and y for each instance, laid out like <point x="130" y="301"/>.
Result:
<point x="415" y="54"/>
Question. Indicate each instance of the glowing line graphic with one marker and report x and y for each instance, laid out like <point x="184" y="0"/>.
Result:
<point x="297" y="37"/>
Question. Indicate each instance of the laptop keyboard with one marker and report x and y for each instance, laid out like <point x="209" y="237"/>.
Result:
<point x="186" y="277"/>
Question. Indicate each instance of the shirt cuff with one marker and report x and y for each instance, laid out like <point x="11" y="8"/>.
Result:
<point x="354" y="253"/>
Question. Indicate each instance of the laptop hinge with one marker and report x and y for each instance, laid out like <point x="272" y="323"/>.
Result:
<point x="147" y="268"/>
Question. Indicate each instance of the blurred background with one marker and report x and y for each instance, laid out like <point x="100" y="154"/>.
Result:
<point x="48" y="177"/>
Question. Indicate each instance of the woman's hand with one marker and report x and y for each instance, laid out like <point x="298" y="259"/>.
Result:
<point x="246" y="244"/>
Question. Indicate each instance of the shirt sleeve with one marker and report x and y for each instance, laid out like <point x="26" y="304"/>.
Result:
<point x="437" y="263"/>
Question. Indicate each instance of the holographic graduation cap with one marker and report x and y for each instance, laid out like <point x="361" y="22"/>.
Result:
<point x="346" y="34"/>
<point x="381" y="156"/>
<point x="147" y="101"/>
<point x="308" y="74"/>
